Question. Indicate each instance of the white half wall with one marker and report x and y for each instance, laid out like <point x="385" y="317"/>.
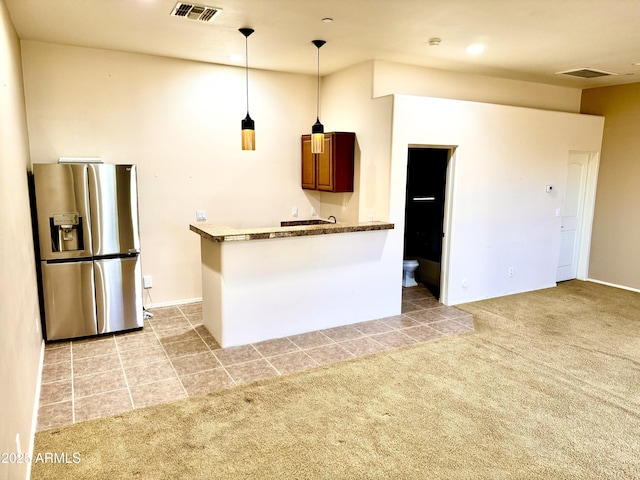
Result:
<point x="501" y="215"/>
<point x="253" y="292"/>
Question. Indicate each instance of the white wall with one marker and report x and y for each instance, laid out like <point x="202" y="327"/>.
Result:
<point x="393" y="78"/>
<point x="20" y="336"/>
<point x="179" y="121"/>
<point x="501" y="215"/>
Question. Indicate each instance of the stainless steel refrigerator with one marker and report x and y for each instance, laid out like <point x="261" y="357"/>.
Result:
<point x="89" y="248"/>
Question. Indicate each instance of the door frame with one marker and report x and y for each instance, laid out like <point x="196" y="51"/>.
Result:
<point x="447" y="218"/>
<point x="586" y="222"/>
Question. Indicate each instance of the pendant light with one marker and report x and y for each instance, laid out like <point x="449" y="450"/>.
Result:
<point x="248" y="125"/>
<point x="317" y="130"/>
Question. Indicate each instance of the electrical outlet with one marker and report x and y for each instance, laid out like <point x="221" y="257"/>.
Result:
<point x="313" y="212"/>
<point x="201" y="215"/>
<point x="511" y="271"/>
<point x="371" y="218"/>
<point x="294" y="211"/>
<point x="147" y="281"/>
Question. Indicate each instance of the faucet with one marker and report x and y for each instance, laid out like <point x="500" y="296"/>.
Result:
<point x="334" y="218"/>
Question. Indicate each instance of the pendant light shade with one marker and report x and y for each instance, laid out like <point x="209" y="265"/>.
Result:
<point x="248" y="125"/>
<point x="317" y="130"/>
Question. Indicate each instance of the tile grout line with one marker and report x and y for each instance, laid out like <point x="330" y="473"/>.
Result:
<point x="278" y="373"/>
<point x="124" y="374"/>
<point x="193" y="327"/>
<point x="102" y="393"/>
<point x="213" y="353"/>
<point x="73" y="388"/>
<point x="167" y="355"/>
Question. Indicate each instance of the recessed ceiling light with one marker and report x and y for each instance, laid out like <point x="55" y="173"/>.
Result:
<point x="327" y="20"/>
<point x="475" y="49"/>
<point x="236" y="58"/>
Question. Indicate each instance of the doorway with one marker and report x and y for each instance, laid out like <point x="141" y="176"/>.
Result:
<point x="424" y="213"/>
<point x="577" y="216"/>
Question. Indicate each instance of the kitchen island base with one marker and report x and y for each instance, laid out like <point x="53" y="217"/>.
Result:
<point x="271" y="288"/>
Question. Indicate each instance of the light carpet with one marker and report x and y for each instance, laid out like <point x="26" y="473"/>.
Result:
<point x="548" y="387"/>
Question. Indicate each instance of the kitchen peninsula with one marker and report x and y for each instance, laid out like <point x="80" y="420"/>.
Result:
<point x="265" y="283"/>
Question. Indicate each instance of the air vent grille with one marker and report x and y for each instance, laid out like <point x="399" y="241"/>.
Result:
<point x="192" y="11"/>
<point x="586" y="73"/>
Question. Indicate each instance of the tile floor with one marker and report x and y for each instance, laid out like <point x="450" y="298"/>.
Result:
<point x="174" y="357"/>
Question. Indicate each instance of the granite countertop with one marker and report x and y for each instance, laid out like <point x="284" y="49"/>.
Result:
<point x="222" y="233"/>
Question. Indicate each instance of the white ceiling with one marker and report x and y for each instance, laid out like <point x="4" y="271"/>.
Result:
<point x="524" y="39"/>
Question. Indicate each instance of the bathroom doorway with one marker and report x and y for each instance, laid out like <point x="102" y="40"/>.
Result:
<point x="425" y="212"/>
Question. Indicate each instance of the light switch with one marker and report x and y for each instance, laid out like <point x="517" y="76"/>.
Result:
<point x="201" y="215"/>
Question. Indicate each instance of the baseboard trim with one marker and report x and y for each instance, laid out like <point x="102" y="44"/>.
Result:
<point x="169" y="304"/>
<point x="615" y="285"/>
<point x="551" y="285"/>
<point x="36" y="407"/>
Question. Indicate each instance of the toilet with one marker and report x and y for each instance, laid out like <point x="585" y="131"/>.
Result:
<point x="409" y="267"/>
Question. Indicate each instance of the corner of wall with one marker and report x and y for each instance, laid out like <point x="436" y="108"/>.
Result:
<point x="21" y="339"/>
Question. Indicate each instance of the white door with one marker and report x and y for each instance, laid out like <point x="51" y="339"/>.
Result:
<point x="572" y="212"/>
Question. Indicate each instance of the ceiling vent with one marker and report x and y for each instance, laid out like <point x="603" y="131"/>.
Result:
<point x="586" y="73"/>
<point x="195" y="12"/>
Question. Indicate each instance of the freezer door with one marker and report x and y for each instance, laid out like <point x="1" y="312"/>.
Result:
<point x="69" y="301"/>
<point x="62" y="208"/>
<point x="118" y="294"/>
<point x="114" y="209"/>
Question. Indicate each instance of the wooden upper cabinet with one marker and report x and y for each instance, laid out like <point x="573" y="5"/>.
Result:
<point x="332" y="170"/>
<point x="308" y="164"/>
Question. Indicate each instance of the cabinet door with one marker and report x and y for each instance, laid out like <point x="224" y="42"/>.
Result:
<point x="308" y="164"/>
<point x="332" y="170"/>
<point x="342" y="150"/>
<point x="325" y="166"/>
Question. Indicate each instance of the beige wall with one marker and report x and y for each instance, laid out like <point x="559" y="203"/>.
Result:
<point x="20" y="337"/>
<point x="347" y="105"/>
<point x="615" y="247"/>
<point x="179" y="121"/>
<point x="393" y="78"/>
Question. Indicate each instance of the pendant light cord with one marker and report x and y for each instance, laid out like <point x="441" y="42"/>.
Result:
<point x="318" y="88"/>
<point x="318" y="44"/>
<point x="246" y="68"/>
